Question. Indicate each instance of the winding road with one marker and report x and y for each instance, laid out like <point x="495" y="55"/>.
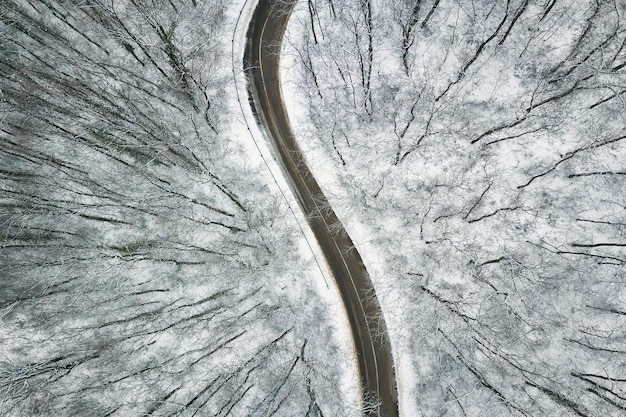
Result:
<point x="261" y="64"/>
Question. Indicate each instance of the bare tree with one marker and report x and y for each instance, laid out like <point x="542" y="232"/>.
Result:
<point x="142" y="261"/>
<point x="491" y="177"/>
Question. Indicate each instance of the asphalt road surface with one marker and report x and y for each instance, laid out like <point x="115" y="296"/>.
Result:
<point x="261" y="63"/>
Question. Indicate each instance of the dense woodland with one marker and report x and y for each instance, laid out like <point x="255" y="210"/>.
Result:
<point x="480" y="152"/>
<point x="146" y="264"/>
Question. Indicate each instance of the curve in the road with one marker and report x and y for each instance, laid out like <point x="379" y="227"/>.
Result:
<point x="261" y="64"/>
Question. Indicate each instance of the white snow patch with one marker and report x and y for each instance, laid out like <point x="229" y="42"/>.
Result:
<point x="258" y="148"/>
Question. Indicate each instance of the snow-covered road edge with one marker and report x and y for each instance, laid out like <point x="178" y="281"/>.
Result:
<point x="259" y="151"/>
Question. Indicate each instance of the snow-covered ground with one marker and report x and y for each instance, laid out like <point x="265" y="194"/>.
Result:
<point x="149" y="263"/>
<point x="483" y="184"/>
<point x="327" y="174"/>
<point x="259" y="150"/>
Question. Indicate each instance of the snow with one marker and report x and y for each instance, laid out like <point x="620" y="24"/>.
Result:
<point x="327" y="177"/>
<point x="469" y="209"/>
<point x="146" y="252"/>
<point x="260" y="151"/>
<point x="456" y="217"/>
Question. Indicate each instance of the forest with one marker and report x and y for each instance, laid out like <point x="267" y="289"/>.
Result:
<point x="146" y="262"/>
<point x="475" y="151"/>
